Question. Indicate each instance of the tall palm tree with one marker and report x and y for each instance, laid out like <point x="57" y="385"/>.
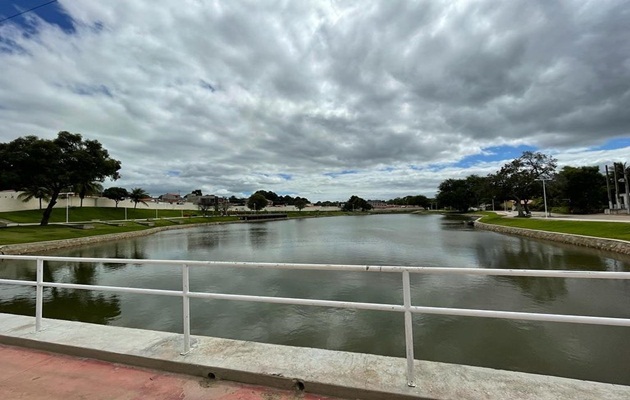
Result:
<point x="40" y="193"/>
<point x="137" y="195"/>
<point x="88" y="189"/>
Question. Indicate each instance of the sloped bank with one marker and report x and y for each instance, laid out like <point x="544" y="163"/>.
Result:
<point x="39" y="247"/>
<point x="614" y="245"/>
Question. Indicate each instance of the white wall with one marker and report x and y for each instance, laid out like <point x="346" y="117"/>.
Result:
<point x="9" y="201"/>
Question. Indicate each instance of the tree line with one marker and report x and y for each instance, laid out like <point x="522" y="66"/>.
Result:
<point x="580" y="190"/>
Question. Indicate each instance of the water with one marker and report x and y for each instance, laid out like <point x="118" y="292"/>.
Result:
<point x="577" y="351"/>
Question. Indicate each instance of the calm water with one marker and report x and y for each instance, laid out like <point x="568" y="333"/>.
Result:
<point x="585" y="352"/>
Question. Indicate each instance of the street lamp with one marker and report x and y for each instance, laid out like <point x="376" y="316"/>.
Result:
<point x="68" y="194"/>
<point x="544" y="195"/>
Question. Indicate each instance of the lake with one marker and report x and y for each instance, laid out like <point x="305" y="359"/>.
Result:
<point x="577" y="351"/>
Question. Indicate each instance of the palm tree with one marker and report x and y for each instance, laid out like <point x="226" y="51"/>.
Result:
<point x="40" y="193"/>
<point x="87" y="189"/>
<point x="137" y="195"/>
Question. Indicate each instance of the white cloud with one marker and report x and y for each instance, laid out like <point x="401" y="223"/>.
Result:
<point x="233" y="94"/>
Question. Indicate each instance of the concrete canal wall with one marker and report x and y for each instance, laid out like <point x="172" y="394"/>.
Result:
<point x="614" y="245"/>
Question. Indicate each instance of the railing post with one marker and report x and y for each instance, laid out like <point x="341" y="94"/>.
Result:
<point x="408" y="328"/>
<point x="39" y="295"/>
<point x="186" y="307"/>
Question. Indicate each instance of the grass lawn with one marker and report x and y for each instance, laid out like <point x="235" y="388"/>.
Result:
<point x="76" y="214"/>
<point x="30" y="234"/>
<point x="609" y="230"/>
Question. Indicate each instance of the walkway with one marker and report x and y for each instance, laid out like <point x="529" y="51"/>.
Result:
<point x="31" y="374"/>
<point x="333" y="373"/>
<point x="573" y="217"/>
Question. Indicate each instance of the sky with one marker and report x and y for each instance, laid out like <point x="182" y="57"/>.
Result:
<point x="319" y="99"/>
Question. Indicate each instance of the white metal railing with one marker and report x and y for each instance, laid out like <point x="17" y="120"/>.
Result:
<point x="407" y="308"/>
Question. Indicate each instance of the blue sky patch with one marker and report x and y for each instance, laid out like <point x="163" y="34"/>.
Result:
<point x="173" y="172"/>
<point x="344" y="172"/>
<point x="286" y="177"/>
<point x="491" y="154"/>
<point x="614" y="144"/>
<point x="50" y="12"/>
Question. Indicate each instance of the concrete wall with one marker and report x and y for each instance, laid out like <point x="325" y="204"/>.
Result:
<point x="9" y="201"/>
<point x="617" y="246"/>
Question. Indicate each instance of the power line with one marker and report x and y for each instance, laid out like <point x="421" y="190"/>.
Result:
<point x="29" y="10"/>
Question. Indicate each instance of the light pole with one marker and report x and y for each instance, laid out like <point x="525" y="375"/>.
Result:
<point x="67" y="194"/>
<point x="544" y="196"/>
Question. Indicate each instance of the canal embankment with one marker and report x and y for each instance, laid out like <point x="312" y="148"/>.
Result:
<point x="335" y="373"/>
<point x="598" y="243"/>
<point x="48" y="245"/>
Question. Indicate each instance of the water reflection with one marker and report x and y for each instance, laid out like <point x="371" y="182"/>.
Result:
<point x="68" y="304"/>
<point x="597" y="353"/>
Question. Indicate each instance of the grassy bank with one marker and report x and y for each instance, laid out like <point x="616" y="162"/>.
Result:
<point x="98" y="216"/>
<point x="94" y="216"/>
<point x="76" y="214"/>
<point x="608" y="230"/>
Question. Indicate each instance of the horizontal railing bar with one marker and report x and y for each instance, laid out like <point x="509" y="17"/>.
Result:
<point x="576" y="319"/>
<point x="162" y="292"/>
<point x="17" y="282"/>
<point x="462" y="312"/>
<point x="299" y="302"/>
<point x="349" y="268"/>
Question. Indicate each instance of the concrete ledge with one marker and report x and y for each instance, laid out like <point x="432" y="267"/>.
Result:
<point x="343" y="374"/>
<point x="80" y="226"/>
<point x="145" y="223"/>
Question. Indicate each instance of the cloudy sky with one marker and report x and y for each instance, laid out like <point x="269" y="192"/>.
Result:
<point x="322" y="99"/>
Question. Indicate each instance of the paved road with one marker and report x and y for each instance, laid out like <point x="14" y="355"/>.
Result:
<point x="573" y="217"/>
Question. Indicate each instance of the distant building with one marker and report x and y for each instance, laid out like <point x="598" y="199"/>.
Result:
<point x="378" y="204"/>
<point x="171" y="198"/>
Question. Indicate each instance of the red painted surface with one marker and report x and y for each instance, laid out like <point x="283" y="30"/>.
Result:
<point x="30" y="374"/>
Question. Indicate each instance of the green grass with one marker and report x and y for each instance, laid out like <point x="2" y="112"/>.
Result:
<point x="609" y="230"/>
<point x="76" y="214"/>
<point x="30" y="234"/>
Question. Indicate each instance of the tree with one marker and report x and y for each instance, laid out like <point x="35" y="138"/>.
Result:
<point x="270" y="196"/>
<point x="196" y="192"/>
<point x="116" y="193"/>
<point x="520" y="178"/>
<point x="40" y="193"/>
<point x="300" y="203"/>
<point x="455" y="193"/>
<point x="204" y="203"/>
<point x="237" y="201"/>
<point x="583" y="187"/>
<point x="137" y="195"/>
<point x="257" y="202"/>
<point x="55" y="165"/>
<point x="87" y="189"/>
<point x="356" y="203"/>
<point x="419" y="200"/>
<point x="224" y="206"/>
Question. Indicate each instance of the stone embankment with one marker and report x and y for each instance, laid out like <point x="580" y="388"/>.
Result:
<point x="614" y="245"/>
